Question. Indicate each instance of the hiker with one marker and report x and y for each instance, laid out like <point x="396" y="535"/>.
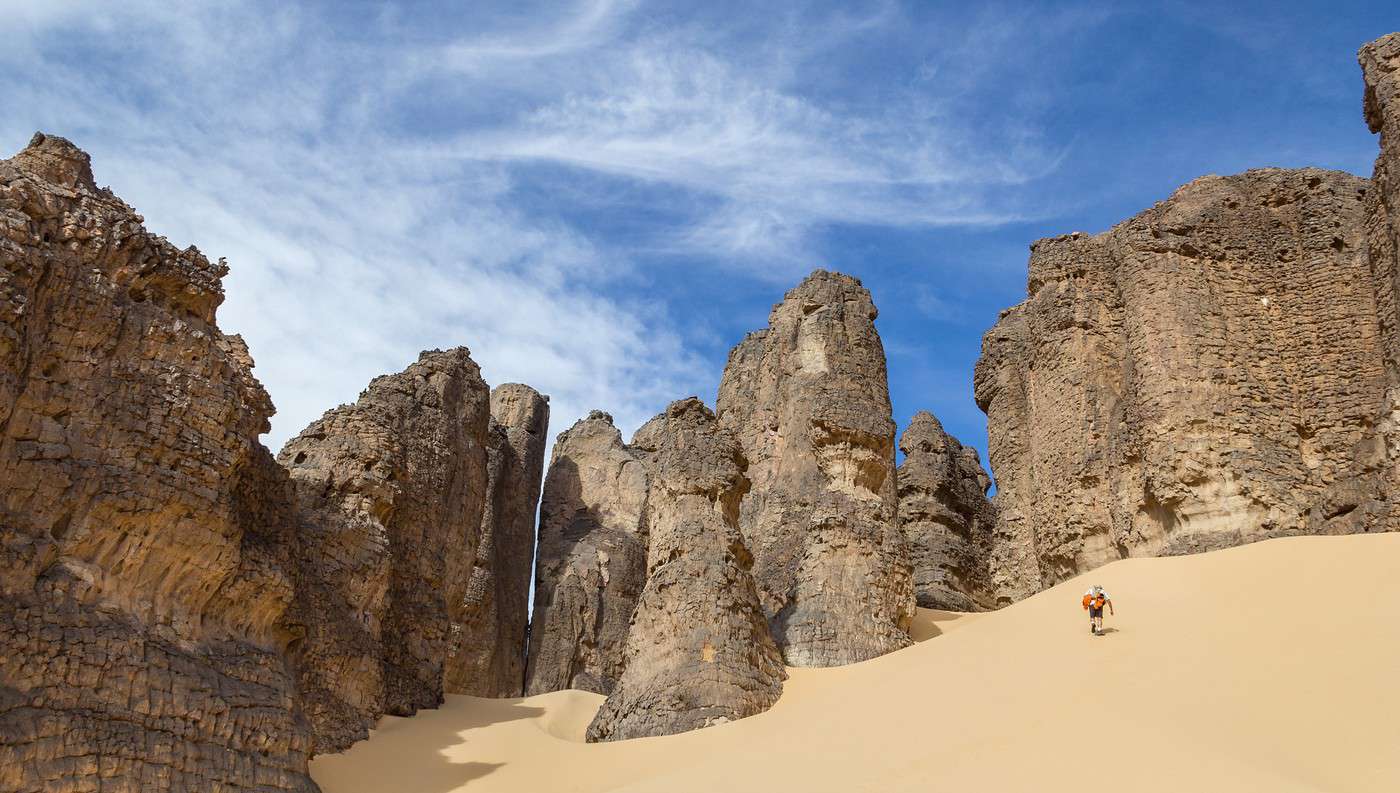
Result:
<point x="1094" y="601"/>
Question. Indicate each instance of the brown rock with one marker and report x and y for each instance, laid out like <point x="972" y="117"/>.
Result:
<point x="1362" y="501"/>
<point x="1191" y="379"/>
<point x="946" y="518"/>
<point x="391" y="492"/>
<point x="808" y="400"/>
<point x="698" y="651"/>
<point x="487" y="652"/>
<point x="144" y="532"/>
<point x="591" y="563"/>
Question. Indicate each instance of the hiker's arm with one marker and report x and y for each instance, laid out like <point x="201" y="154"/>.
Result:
<point x="1110" y="608"/>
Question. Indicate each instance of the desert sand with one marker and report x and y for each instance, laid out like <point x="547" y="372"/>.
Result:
<point x="1270" y="667"/>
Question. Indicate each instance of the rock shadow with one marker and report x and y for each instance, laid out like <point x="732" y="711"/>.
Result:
<point x="417" y="753"/>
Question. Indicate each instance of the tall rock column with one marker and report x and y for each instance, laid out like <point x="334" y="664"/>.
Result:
<point x="808" y="400"/>
<point x="391" y="492"/>
<point x="698" y="652"/>
<point x="487" y="651"/>
<point x="1380" y="71"/>
<point x="1364" y="501"/>
<point x="946" y="518"/>
<point x="1195" y="377"/>
<point x="144" y="531"/>
<point x="591" y="563"/>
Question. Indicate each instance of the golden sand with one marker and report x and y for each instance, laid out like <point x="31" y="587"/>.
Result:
<point x="1274" y="667"/>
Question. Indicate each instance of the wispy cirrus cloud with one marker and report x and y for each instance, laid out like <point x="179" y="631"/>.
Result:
<point x="371" y="174"/>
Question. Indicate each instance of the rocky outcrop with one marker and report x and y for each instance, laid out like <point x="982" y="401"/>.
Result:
<point x="946" y="518"/>
<point x="1194" y="378"/>
<point x="1363" y="501"/>
<point x="144" y="532"/>
<point x="390" y="492"/>
<point x="809" y="402"/>
<point x="698" y="651"/>
<point x="486" y="655"/>
<point x="592" y="559"/>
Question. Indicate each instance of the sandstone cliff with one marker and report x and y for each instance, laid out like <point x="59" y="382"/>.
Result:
<point x="390" y="492"/>
<point x="1193" y="378"/>
<point x="809" y="402"/>
<point x="486" y="656"/>
<point x="144" y="532"/>
<point x="946" y="518"/>
<point x="1364" y="500"/>
<point x="698" y="651"/>
<point x="591" y="563"/>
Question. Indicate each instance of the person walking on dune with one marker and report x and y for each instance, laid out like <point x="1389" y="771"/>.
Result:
<point x="1094" y="600"/>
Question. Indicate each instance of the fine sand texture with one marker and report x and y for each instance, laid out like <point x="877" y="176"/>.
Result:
<point x="1270" y="667"/>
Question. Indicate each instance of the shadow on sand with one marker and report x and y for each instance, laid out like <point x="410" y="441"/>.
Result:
<point x="418" y="753"/>
<point x="925" y="623"/>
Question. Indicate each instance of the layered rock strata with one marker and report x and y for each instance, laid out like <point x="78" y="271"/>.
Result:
<point x="486" y="655"/>
<point x="592" y="559"/>
<point x="1196" y="377"/>
<point x="698" y="651"/>
<point x="390" y="493"/>
<point x="946" y="518"/>
<point x="144" y="532"/>
<point x="809" y="402"/>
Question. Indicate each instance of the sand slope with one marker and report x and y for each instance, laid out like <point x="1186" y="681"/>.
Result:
<point x="1272" y="667"/>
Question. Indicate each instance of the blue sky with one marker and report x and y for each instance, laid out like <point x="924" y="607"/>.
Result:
<point x="601" y="197"/>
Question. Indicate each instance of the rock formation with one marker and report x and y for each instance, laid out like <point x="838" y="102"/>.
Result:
<point x="592" y="559"/>
<point x="698" y="651"/>
<point x="808" y="400"/>
<point x="390" y="492"/>
<point x="143" y="549"/>
<point x="1196" y="377"/>
<point x="1363" y="501"/>
<point x="946" y="518"/>
<point x="486" y="656"/>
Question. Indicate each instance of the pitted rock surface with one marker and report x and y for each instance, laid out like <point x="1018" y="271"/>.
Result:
<point x="808" y="400"/>
<point x="946" y="517"/>
<point x="144" y="532"/>
<point x="1193" y="378"/>
<point x="1364" y="500"/>
<point x="486" y="655"/>
<point x="698" y="651"/>
<point x="390" y="492"/>
<point x="592" y="559"/>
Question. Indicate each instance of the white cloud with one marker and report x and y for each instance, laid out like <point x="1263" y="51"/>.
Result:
<point x="360" y="231"/>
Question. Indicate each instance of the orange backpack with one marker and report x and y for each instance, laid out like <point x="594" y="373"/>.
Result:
<point x="1096" y="602"/>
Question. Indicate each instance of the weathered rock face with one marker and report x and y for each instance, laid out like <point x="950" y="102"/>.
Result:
<point x="143" y="530"/>
<point x="591" y="563"/>
<point x="698" y="651"/>
<point x="946" y="518"/>
<point x="1363" y="501"/>
<point x="487" y="651"/>
<point x="1193" y="378"/>
<point x="390" y="492"/>
<point x="809" y="402"/>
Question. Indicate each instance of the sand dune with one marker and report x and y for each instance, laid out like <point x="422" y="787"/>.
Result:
<point x="1272" y="667"/>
